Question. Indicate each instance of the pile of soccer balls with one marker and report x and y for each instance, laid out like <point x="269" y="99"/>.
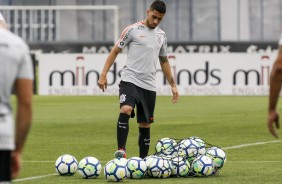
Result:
<point x="187" y="157"/>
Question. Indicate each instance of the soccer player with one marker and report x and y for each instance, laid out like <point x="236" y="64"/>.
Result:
<point x="275" y="88"/>
<point x="147" y="45"/>
<point x="16" y="74"/>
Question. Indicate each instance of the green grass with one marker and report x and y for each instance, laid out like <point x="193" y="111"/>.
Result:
<point x="86" y="126"/>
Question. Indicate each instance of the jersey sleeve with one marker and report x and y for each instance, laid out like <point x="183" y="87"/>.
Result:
<point x="25" y="68"/>
<point x="125" y="38"/>
<point x="163" y="50"/>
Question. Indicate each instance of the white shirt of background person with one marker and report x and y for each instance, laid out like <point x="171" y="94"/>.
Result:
<point x="2" y="21"/>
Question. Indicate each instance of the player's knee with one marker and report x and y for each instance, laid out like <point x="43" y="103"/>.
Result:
<point x="144" y="125"/>
<point x="126" y="109"/>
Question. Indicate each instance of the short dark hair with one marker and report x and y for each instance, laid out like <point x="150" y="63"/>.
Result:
<point x="159" y="6"/>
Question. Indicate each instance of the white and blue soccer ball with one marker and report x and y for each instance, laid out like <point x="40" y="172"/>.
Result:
<point x="136" y="168"/>
<point x="165" y="146"/>
<point x="115" y="170"/>
<point x="66" y="165"/>
<point x="188" y="148"/>
<point x="148" y="159"/>
<point x="218" y="155"/>
<point x="160" y="167"/>
<point x="89" y="167"/>
<point x="203" y="166"/>
<point x="202" y="144"/>
<point x="180" y="167"/>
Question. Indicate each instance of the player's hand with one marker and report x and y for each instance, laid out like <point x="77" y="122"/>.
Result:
<point x="102" y="83"/>
<point x="175" y="94"/>
<point x="16" y="163"/>
<point x="273" y="119"/>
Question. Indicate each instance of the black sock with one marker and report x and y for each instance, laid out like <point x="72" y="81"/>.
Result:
<point x="144" y="142"/>
<point x="122" y="130"/>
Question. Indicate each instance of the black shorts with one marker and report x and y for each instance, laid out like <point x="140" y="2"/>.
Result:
<point x="145" y="100"/>
<point x="5" y="165"/>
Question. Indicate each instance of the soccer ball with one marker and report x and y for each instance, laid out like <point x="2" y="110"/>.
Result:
<point x="188" y="148"/>
<point x="203" y="166"/>
<point x="180" y="167"/>
<point x="160" y="167"/>
<point x="136" y="168"/>
<point x="148" y="159"/>
<point x="165" y="146"/>
<point x="202" y="144"/>
<point x="89" y="167"/>
<point x="115" y="170"/>
<point x="66" y="165"/>
<point x="218" y="156"/>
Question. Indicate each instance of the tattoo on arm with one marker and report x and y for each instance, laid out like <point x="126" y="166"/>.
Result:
<point x="163" y="59"/>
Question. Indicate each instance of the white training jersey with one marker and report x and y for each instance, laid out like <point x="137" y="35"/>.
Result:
<point x="15" y="63"/>
<point x="145" y="45"/>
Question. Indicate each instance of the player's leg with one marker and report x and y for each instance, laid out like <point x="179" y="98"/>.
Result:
<point x="144" y="139"/>
<point x="5" y="167"/>
<point x="127" y="101"/>
<point x="123" y="127"/>
<point x="145" y="116"/>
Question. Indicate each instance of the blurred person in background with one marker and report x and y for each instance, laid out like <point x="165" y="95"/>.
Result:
<point x="2" y="21"/>
<point x="16" y="74"/>
<point x="147" y="45"/>
<point x="274" y="92"/>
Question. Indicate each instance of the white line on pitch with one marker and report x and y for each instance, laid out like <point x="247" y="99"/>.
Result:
<point x="251" y="144"/>
<point x="226" y="148"/>
<point x="33" y="178"/>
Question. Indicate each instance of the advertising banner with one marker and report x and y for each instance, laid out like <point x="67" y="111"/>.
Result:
<point x="238" y="74"/>
<point x="177" y="47"/>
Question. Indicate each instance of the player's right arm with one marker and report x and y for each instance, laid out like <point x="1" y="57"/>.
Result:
<point x="102" y="82"/>
<point x="275" y="88"/>
<point x="24" y="93"/>
<point x="24" y="90"/>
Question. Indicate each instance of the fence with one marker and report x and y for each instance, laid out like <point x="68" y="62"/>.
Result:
<point x="55" y="23"/>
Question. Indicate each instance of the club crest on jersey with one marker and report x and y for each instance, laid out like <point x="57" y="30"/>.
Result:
<point x="122" y="98"/>
<point x="141" y="27"/>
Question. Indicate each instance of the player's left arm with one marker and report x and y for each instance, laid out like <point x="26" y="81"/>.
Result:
<point x="275" y="88"/>
<point x="167" y="72"/>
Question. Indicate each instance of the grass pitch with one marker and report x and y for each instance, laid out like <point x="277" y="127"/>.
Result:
<point x="86" y="126"/>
